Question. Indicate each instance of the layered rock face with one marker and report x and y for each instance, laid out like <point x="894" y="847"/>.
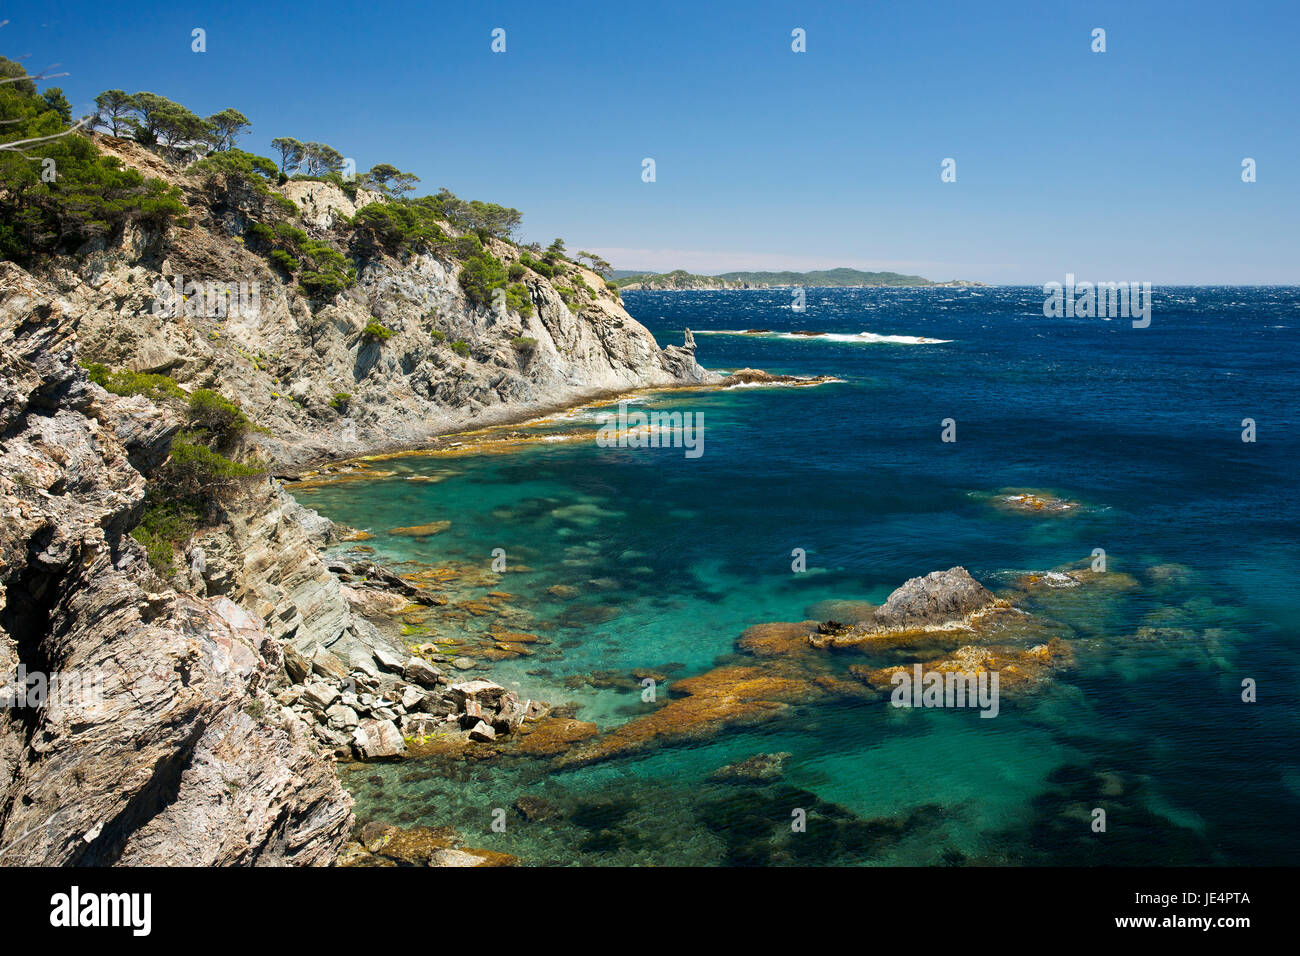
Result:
<point x="150" y="737"/>
<point x="288" y="358"/>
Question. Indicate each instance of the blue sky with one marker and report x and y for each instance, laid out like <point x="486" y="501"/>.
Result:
<point x="1119" y="165"/>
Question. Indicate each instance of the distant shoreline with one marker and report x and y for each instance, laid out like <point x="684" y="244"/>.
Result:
<point x="637" y="287"/>
<point x="680" y="280"/>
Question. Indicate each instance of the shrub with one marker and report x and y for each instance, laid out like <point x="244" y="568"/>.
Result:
<point x="468" y="246"/>
<point x="193" y="476"/>
<point x="570" y="297"/>
<point x="541" y="268"/>
<point x="324" y="285"/>
<point x="375" y="332"/>
<point x="398" y="224"/>
<point x="213" y="413"/>
<point x="438" y="336"/>
<point x="331" y="272"/>
<point x="340" y="401"/>
<point x="290" y="234"/>
<point x="524" y="343"/>
<point x="125" y="382"/>
<point x="255" y="171"/>
<point x="516" y="271"/>
<point x="285" y="261"/>
<point x="261" y="230"/>
<point x="165" y="527"/>
<point x="239" y="168"/>
<point x="518" y="299"/>
<point x="461" y="348"/>
<point x="480" y="275"/>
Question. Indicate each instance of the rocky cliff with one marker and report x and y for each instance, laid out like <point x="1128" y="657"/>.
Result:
<point x="306" y="369"/>
<point x="188" y="721"/>
<point x="151" y="737"/>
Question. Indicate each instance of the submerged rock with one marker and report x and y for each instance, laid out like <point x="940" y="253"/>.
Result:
<point x="1018" y="668"/>
<point x="422" y="530"/>
<point x="724" y="697"/>
<point x="1029" y="501"/>
<point x="760" y="768"/>
<point x="754" y="376"/>
<point x="536" y="809"/>
<point x="555" y="735"/>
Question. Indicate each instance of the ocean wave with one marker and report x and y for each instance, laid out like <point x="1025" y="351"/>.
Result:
<point x="861" y="338"/>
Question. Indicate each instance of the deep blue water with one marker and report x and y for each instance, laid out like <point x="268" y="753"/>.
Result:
<point x="674" y="557"/>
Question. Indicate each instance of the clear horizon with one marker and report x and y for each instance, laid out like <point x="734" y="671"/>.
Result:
<point x="1122" y="165"/>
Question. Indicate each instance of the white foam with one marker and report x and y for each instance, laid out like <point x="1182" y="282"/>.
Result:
<point x="861" y="338"/>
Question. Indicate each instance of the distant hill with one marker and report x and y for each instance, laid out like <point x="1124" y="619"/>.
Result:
<point x="844" y="278"/>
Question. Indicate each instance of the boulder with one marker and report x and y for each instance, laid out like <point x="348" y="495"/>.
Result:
<point x="419" y="671"/>
<point x="420" y="725"/>
<point x="319" y="696"/>
<point x="940" y="597"/>
<point x="511" y="715"/>
<point x="760" y="768"/>
<point x="484" y="692"/>
<point x="412" y="697"/>
<point x="295" y="665"/>
<point x="377" y="739"/>
<point x="341" y="717"/>
<point x="388" y="659"/>
<point x="327" y="665"/>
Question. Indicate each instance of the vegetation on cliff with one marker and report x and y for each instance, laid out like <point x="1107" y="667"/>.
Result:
<point x="56" y="189"/>
<point x="182" y="491"/>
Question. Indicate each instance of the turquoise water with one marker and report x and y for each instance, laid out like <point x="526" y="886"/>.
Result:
<point x="671" y="558"/>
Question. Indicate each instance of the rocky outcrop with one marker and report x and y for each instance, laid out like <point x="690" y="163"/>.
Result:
<point x="324" y="205"/>
<point x="939" y="600"/>
<point x="153" y="738"/>
<point x="305" y="369"/>
<point x="754" y="376"/>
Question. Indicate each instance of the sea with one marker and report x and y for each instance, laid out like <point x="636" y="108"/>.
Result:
<point x="1174" y="447"/>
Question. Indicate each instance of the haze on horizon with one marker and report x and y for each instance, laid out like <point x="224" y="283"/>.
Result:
<point x="1123" y="165"/>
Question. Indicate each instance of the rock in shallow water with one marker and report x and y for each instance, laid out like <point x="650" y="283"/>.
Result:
<point x="937" y="598"/>
<point x="377" y="739"/>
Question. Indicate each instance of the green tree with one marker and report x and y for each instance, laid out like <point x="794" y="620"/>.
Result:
<point x="175" y="124"/>
<point x="291" y="153"/>
<point x="480" y="275"/>
<point x="150" y="110"/>
<point x="115" y="108"/>
<point x="493" y="220"/>
<point x="56" y="101"/>
<point x="320" y="159"/>
<point x="389" y="180"/>
<point x="92" y="196"/>
<point x="227" y="126"/>
<point x="598" y="265"/>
